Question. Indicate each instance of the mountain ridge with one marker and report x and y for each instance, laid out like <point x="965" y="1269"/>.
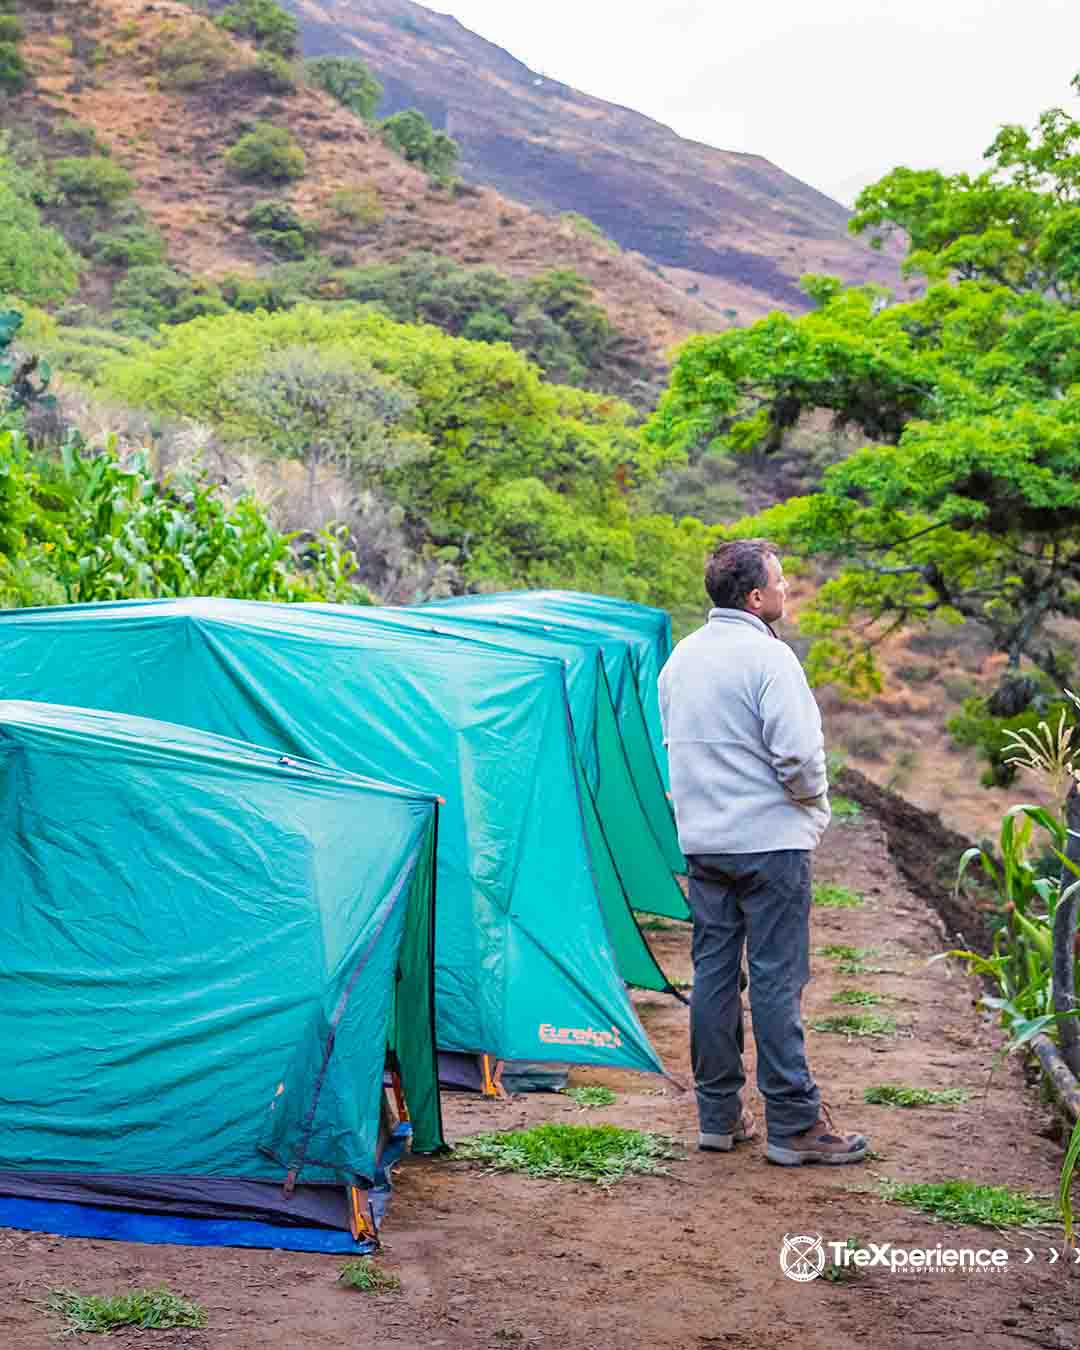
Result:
<point x="97" y="66"/>
<point x="728" y="227"/>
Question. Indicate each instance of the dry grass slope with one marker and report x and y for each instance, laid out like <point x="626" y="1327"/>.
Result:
<point x="98" y="62"/>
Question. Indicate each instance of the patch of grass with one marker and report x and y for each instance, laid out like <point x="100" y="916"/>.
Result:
<point x="858" y="998"/>
<point x="857" y="1024"/>
<point x="591" y="1096"/>
<point x="971" y="1203"/>
<point x="838" y="952"/>
<point x="836" y="897"/>
<point x="845" y="811"/>
<point x="145" y="1308"/>
<point x="363" y="1274"/>
<point x="896" y="1094"/>
<point x="857" y="968"/>
<point x="837" y="1273"/>
<point x="603" y="1154"/>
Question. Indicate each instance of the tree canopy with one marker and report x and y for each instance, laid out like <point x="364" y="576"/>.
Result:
<point x="413" y="137"/>
<point x="528" y="482"/>
<point x="347" y="80"/>
<point x="965" y="504"/>
<point x="36" y="263"/>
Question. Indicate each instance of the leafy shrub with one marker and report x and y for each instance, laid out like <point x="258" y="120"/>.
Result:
<point x="415" y="139"/>
<point x="133" y="245"/>
<point x="566" y="297"/>
<point x="195" y="55"/>
<point x="267" y="154"/>
<point x="36" y="262"/>
<point x="84" y="351"/>
<point x="12" y="69"/>
<point x="347" y="80"/>
<point x="265" y="22"/>
<point x="11" y="29"/>
<point x="359" y="205"/>
<point x="275" y="74"/>
<point x="82" y="133"/>
<point x="488" y="325"/>
<point x="92" y="179"/>
<point x="248" y="294"/>
<point x="327" y="408"/>
<point x="152" y="295"/>
<point x="975" y="726"/>
<point x="589" y="228"/>
<point x="277" y="227"/>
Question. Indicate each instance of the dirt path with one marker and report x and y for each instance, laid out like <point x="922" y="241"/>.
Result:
<point x="690" y="1264"/>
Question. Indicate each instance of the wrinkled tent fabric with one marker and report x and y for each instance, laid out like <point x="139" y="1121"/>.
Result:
<point x="636" y="642"/>
<point x="646" y="879"/>
<point x="530" y="909"/>
<point x="209" y="951"/>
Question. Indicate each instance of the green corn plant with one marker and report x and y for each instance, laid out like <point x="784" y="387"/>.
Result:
<point x="1068" y="1167"/>
<point x="1021" y="960"/>
<point x="108" y="529"/>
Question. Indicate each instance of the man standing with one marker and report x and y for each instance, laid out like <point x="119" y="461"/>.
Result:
<point x="748" y="780"/>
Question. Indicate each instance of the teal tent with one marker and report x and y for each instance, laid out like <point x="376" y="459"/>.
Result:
<point x="210" y="953"/>
<point x="644" y="873"/>
<point x="636" y="641"/>
<point x="534" y="936"/>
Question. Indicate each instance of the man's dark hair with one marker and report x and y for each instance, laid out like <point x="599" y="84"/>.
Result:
<point x="735" y="569"/>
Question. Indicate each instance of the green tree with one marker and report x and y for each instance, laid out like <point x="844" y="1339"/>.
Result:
<point x="267" y="154"/>
<point x="415" y="139"/>
<point x="36" y="263"/>
<point x="265" y="22"/>
<point x="92" y="180"/>
<point x="966" y="504"/>
<point x="347" y="80"/>
<point x="511" y="456"/>
<point x="327" y="409"/>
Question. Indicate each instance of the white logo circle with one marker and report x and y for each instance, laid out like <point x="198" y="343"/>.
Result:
<point x="802" y="1256"/>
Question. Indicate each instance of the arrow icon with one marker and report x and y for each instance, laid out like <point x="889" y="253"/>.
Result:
<point x="1053" y="1255"/>
<point x="1029" y="1257"/>
<point x="1076" y="1258"/>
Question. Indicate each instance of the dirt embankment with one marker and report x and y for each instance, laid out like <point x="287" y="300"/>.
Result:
<point x="927" y="853"/>
<point x="686" y="1262"/>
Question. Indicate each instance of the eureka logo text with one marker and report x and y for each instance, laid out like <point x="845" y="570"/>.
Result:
<point x="603" y="1040"/>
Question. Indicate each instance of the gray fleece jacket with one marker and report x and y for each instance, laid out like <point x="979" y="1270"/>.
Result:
<point x="744" y="740"/>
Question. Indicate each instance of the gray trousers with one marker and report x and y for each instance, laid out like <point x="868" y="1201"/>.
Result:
<point x="761" y="900"/>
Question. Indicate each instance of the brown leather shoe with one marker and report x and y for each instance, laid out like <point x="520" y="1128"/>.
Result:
<point x="822" y="1143"/>
<point x="743" y="1131"/>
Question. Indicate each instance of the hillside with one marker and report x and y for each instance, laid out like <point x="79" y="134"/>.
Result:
<point x="98" y="84"/>
<point x="733" y="229"/>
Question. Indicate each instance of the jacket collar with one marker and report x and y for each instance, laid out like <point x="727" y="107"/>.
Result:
<point x="741" y="616"/>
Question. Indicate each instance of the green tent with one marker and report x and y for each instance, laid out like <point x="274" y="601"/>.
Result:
<point x="646" y="877"/>
<point x="534" y="936"/>
<point x="636" y="641"/>
<point x="209" y="951"/>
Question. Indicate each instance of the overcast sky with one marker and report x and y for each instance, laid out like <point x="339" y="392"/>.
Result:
<point x="835" y="92"/>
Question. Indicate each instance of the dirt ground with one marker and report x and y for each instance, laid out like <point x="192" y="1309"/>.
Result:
<point x="686" y="1263"/>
